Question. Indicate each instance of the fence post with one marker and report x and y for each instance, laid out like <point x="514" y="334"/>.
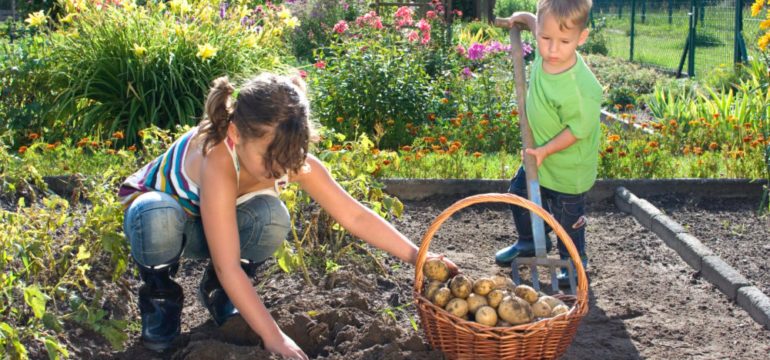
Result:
<point x="633" y="30"/>
<point x="620" y="9"/>
<point x="644" y="11"/>
<point x="693" y="24"/>
<point x="739" y="48"/>
<point x="670" y="12"/>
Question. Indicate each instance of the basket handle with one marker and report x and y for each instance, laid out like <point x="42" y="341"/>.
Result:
<point x="582" y="286"/>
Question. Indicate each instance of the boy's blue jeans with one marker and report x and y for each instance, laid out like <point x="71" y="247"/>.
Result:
<point x="568" y="209"/>
<point x="160" y="231"/>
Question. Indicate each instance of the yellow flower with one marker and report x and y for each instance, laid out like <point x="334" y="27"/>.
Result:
<point x="67" y="19"/>
<point x="757" y="7"/>
<point x="180" y="30"/>
<point x="765" y="24"/>
<point x="139" y="50"/>
<point x="764" y="41"/>
<point x="36" y="19"/>
<point x="180" y="6"/>
<point x="206" y="51"/>
<point x="293" y="22"/>
<point x="284" y="14"/>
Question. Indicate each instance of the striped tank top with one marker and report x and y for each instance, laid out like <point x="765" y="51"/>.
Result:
<point x="166" y="173"/>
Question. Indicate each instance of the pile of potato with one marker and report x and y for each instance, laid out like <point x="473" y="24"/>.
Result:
<point x="491" y="301"/>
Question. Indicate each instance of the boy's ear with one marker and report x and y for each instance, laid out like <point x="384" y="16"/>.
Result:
<point x="583" y="36"/>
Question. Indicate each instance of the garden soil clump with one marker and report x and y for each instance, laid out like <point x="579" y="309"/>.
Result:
<point x="644" y="301"/>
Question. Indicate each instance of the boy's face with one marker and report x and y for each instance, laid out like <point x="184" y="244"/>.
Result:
<point x="557" y="46"/>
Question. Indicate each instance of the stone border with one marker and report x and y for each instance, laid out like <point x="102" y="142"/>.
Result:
<point x="698" y="256"/>
<point x="603" y="190"/>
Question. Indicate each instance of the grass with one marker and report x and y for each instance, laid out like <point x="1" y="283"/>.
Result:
<point x="660" y="44"/>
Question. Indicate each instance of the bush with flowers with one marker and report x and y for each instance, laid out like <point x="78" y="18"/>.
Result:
<point x="116" y="65"/>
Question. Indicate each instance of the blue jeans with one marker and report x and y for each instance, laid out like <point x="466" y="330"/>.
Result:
<point x="160" y="231"/>
<point x="568" y="209"/>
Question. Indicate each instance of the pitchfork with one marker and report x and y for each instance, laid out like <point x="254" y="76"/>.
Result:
<point x="533" y="185"/>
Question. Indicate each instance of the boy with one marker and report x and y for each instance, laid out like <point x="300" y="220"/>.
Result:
<point x="563" y="105"/>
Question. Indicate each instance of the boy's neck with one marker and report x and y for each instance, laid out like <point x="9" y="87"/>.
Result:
<point x="560" y="69"/>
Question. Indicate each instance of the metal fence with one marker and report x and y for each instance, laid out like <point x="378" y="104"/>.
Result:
<point x="682" y="36"/>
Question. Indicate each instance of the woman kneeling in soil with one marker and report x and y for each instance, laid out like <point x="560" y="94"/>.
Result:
<point x="214" y="193"/>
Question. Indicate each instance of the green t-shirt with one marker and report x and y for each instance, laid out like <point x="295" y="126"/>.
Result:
<point x="571" y="99"/>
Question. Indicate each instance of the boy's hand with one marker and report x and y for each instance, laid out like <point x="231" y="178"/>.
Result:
<point x="539" y="153"/>
<point x="453" y="269"/>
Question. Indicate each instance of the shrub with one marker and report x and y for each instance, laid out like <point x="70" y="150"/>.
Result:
<point x="127" y="67"/>
<point x="317" y="17"/>
<point x="504" y="8"/>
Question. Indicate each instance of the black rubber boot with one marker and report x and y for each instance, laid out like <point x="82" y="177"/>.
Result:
<point x="213" y="296"/>
<point x="160" y="305"/>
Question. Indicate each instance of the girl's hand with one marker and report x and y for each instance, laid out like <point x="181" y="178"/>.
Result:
<point x="286" y="347"/>
<point x="453" y="269"/>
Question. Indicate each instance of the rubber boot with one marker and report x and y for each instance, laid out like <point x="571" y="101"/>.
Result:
<point x="213" y="296"/>
<point x="160" y="305"/>
<point x="563" y="276"/>
<point x="522" y="247"/>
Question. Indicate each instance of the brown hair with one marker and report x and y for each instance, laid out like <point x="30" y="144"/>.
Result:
<point x="568" y="13"/>
<point x="264" y="102"/>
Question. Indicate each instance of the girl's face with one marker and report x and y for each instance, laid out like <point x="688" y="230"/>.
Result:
<point x="252" y="152"/>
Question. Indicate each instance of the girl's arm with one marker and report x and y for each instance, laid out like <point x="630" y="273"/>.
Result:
<point x="359" y="220"/>
<point x="218" y="193"/>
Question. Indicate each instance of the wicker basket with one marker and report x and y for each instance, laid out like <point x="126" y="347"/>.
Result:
<point x="462" y="339"/>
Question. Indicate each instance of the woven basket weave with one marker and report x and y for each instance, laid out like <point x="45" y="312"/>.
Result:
<point x="463" y="339"/>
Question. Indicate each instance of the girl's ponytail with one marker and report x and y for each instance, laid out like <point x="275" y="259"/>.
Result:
<point x="214" y="128"/>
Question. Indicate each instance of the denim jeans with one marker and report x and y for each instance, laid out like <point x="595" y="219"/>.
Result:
<point x="568" y="209"/>
<point x="160" y="231"/>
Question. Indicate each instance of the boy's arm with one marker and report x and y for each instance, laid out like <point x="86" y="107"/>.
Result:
<point x="562" y="141"/>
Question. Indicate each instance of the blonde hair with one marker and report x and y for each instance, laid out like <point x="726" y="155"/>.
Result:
<point x="568" y="13"/>
<point x="264" y="102"/>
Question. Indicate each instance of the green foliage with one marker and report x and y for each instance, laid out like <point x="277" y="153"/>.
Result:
<point x="504" y="8"/>
<point x="127" y="67"/>
<point x="597" y="40"/>
<point x="615" y="74"/>
<point x="317" y="17"/>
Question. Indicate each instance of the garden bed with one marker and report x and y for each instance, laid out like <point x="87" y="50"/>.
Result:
<point x="645" y="302"/>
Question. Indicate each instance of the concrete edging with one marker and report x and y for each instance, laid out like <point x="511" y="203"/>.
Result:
<point x="715" y="270"/>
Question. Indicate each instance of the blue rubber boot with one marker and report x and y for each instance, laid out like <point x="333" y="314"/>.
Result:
<point x="522" y="247"/>
<point x="160" y="305"/>
<point x="213" y="296"/>
<point x="563" y="276"/>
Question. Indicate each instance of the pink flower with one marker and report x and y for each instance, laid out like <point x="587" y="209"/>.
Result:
<point x="413" y="36"/>
<point x="476" y="51"/>
<point x="303" y="74"/>
<point x="320" y="64"/>
<point x="340" y="27"/>
<point x="458" y="13"/>
<point x="467" y="73"/>
<point x="423" y="25"/>
<point x="425" y="38"/>
<point x="404" y="17"/>
<point x="431" y="14"/>
<point x="370" y="19"/>
<point x="460" y="49"/>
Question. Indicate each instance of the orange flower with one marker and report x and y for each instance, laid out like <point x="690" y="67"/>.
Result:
<point x="484" y="122"/>
<point x="117" y="135"/>
<point x="652" y="144"/>
<point x="693" y="122"/>
<point x="457" y="143"/>
<point x="391" y="122"/>
<point x="629" y="106"/>
<point x="140" y="133"/>
<point x="452" y="149"/>
<point x="747" y="125"/>
<point x="697" y="150"/>
<point x="386" y="162"/>
<point x="618" y="106"/>
<point x="409" y="125"/>
<point x="609" y="149"/>
<point x="94" y="144"/>
<point x="657" y="126"/>
<point x="442" y="139"/>
<point x="515" y="112"/>
<point x="407" y="158"/>
<point x="375" y="151"/>
<point x="418" y="156"/>
<point x="50" y="146"/>
<point x="83" y="142"/>
<point x="340" y="119"/>
<point x="22" y="149"/>
<point x="477" y="154"/>
<point x="435" y="147"/>
<point x="613" y="137"/>
<point x="432" y="117"/>
<point x="747" y="138"/>
<point x="713" y="146"/>
<point x="440" y="152"/>
<point x="480" y="136"/>
<point x="672" y="123"/>
<point x="110" y="151"/>
<point x="33" y="136"/>
<point x="647" y="164"/>
<point x="444" y="101"/>
<point x="686" y="150"/>
<point x="336" y="148"/>
<point x="428" y="139"/>
<point x="406" y="148"/>
<point x="716" y="116"/>
<point x="108" y="143"/>
<point x="621" y="153"/>
<point x="132" y="148"/>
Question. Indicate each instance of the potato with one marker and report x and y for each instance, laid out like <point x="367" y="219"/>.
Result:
<point x="541" y="309"/>
<point x="559" y="309"/>
<point x="457" y="307"/>
<point x="503" y="282"/>
<point x="436" y="269"/>
<point x="495" y="297"/>
<point x="515" y="310"/>
<point x="486" y="315"/>
<point x="483" y="286"/>
<point x="526" y="292"/>
<point x="552" y="301"/>
<point x="461" y="286"/>
<point x="475" y="301"/>
<point x="431" y="289"/>
<point x="442" y="296"/>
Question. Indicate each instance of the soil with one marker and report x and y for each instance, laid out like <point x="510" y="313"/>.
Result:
<point x="644" y="301"/>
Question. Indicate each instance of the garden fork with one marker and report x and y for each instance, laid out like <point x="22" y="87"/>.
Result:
<point x="533" y="186"/>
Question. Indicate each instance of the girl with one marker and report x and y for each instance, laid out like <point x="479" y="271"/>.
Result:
<point x="214" y="193"/>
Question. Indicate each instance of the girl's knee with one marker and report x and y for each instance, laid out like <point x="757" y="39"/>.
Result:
<point x="154" y="226"/>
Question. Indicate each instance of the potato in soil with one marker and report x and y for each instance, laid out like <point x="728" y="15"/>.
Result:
<point x="495" y="297"/>
<point x="486" y="315"/>
<point x="442" y="296"/>
<point x="541" y="309"/>
<point x="483" y="286"/>
<point x="457" y="307"/>
<point x="526" y="292"/>
<point x="515" y="310"/>
<point x="475" y="301"/>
